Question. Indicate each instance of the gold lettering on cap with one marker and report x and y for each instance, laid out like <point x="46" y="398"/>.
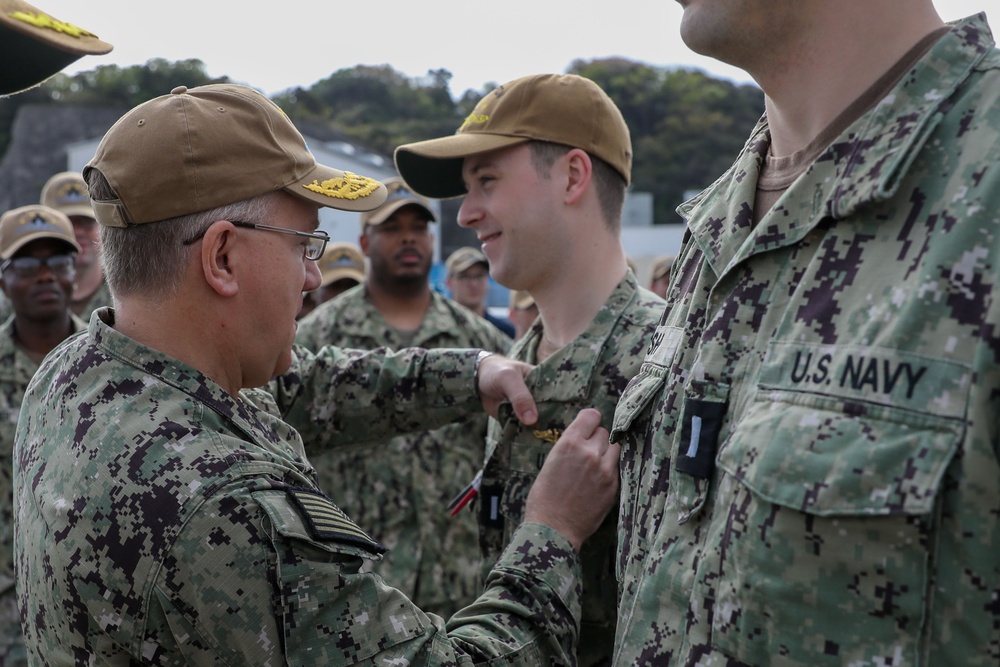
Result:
<point x="350" y="186"/>
<point x="474" y="118"/>
<point x="48" y="23"/>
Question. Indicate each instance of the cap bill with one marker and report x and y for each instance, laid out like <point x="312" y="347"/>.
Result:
<point x="433" y="168"/>
<point x="34" y="46"/>
<point x="338" y="189"/>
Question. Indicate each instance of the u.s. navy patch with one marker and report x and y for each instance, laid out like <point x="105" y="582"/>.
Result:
<point x="326" y="521"/>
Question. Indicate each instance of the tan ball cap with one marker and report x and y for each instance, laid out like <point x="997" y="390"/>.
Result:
<point x="463" y="258"/>
<point x="34" y="46"/>
<point x="559" y="108"/>
<point x="67" y="192"/>
<point x="21" y="226"/>
<point x="339" y="261"/>
<point x="661" y="266"/>
<point x="398" y="195"/>
<point x="200" y="148"/>
<point x="520" y="300"/>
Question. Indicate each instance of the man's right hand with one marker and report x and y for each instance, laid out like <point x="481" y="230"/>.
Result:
<point x="578" y="483"/>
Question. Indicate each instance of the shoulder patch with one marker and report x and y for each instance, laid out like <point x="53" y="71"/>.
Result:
<point x="327" y="521"/>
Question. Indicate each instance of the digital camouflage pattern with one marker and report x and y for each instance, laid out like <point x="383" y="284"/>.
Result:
<point x="811" y="467"/>
<point x="163" y="521"/>
<point x="16" y="369"/>
<point x="589" y="372"/>
<point x="399" y="489"/>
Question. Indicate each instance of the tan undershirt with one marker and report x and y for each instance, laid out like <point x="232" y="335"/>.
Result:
<point x="778" y="173"/>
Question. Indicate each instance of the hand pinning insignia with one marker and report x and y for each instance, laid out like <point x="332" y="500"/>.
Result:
<point x="548" y="435"/>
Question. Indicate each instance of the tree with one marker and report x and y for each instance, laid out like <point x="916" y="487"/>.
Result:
<point x="108" y="85"/>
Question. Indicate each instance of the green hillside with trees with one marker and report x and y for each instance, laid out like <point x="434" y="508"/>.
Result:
<point x="686" y="125"/>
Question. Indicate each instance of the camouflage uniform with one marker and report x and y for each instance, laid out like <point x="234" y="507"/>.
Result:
<point x="810" y="449"/>
<point x="591" y="371"/>
<point x="163" y="521"/>
<point x="16" y="369"/>
<point x="400" y="489"/>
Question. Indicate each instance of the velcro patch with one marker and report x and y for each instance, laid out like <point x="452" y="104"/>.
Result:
<point x="326" y="521"/>
<point x="700" y="437"/>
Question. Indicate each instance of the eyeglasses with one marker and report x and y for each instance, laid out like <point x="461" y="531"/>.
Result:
<point x="313" y="250"/>
<point x="29" y="267"/>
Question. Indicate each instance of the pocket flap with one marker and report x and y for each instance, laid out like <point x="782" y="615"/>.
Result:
<point x="828" y="456"/>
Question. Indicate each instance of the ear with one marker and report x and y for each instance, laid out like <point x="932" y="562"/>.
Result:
<point x="218" y="258"/>
<point x="363" y="243"/>
<point x="579" y="170"/>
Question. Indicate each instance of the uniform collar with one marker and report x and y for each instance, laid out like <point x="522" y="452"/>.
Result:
<point x="241" y="414"/>
<point x="580" y="356"/>
<point x="865" y="164"/>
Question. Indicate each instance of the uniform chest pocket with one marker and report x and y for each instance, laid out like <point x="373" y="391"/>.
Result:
<point x="527" y="455"/>
<point x="829" y="511"/>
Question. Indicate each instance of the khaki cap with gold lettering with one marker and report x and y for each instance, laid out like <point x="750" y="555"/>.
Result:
<point x="21" y="226"/>
<point x="200" y="148"/>
<point x="559" y="108"/>
<point x="398" y="195"/>
<point x="34" y="45"/>
<point x="67" y="192"/>
<point x="340" y="261"/>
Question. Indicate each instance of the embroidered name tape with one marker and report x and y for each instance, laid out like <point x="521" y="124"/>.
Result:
<point x="327" y="521"/>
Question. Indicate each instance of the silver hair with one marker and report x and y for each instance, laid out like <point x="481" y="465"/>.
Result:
<point x="150" y="259"/>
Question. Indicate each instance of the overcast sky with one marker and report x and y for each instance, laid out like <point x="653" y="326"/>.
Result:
<point x="277" y="45"/>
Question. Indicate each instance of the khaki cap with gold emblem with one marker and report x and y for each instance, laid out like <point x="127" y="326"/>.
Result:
<point x="21" y="226"/>
<point x="34" y="45"/>
<point x="339" y="261"/>
<point x="67" y="192"/>
<point x="200" y="148"/>
<point x="463" y="258"/>
<point x="559" y="108"/>
<point x="398" y="195"/>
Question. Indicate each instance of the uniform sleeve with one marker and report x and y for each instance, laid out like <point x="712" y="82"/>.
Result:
<point x="260" y="580"/>
<point x="338" y="395"/>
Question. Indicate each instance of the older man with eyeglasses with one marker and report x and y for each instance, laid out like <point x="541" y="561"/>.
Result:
<point x="165" y="510"/>
<point x="37" y="249"/>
